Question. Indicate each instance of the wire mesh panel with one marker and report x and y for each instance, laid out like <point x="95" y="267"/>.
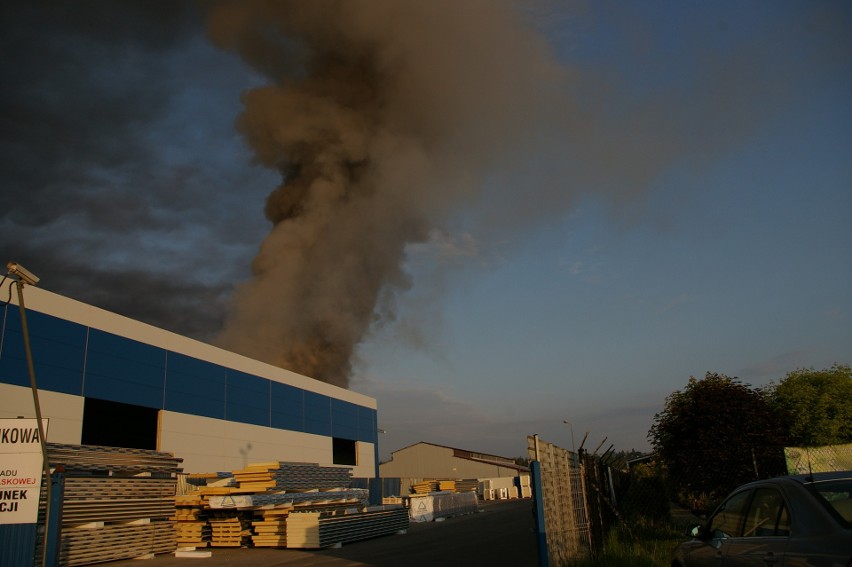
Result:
<point x="567" y="530"/>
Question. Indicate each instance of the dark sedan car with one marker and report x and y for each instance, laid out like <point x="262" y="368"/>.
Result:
<point x="792" y="521"/>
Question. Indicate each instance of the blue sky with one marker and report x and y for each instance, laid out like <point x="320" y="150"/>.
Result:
<point x="737" y="262"/>
<point x="687" y="212"/>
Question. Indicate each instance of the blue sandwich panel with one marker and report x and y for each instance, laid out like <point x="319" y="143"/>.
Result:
<point x="317" y="414"/>
<point x="124" y="370"/>
<point x="247" y="398"/>
<point x="58" y="349"/>
<point x="344" y="420"/>
<point x="194" y="386"/>
<point x="368" y="426"/>
<point x="75" y="359"/>
<point x="288" y="407"/>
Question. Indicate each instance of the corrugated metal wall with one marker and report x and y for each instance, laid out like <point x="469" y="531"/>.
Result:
<point x="17" y="545"/>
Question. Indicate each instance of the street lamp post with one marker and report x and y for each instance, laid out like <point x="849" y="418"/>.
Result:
<point x="568" y="423"/>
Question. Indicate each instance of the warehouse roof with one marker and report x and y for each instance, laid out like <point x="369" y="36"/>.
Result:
<point x="473" y="456"/>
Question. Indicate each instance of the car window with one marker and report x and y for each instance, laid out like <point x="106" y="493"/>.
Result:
<point x="837" y="494"/>
<point x="765" y="514"/>
<point x="728" y="519"/>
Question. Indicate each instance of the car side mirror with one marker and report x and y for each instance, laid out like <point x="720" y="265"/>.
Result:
<point x="696" y="532"/>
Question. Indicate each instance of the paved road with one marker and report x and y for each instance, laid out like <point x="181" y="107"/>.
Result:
<point x="500" y="534"/>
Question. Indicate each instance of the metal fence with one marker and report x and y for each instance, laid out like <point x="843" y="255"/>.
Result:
<point x="562" y="494"/>
<point x="581" y="497"/>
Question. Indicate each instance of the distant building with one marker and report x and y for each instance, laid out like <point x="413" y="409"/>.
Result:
<point x="427" y="460"/>
<point x="104" y="379"/>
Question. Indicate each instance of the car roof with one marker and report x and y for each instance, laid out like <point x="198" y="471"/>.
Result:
<point x="818" y="477"/>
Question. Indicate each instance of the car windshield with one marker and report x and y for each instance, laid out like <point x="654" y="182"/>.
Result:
<point x="837" y="494"/>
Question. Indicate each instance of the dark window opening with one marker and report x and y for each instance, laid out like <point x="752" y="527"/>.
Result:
<point x="344" y="452"/>
<point x="114" y="424"/>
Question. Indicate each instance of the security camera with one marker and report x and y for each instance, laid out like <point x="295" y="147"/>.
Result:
<point x="22" y="273"/>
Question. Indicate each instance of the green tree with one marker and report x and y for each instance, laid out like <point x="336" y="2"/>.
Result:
<point x="714" y="435"/>
<point x="815" y="405"/>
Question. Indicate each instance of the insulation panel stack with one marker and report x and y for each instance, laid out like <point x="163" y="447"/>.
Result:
<point x="467" y="485"/>
<point x="191" y="526"/>
<point x="315" y="530"/>
<point x="117" y="502"/>
<point x="425" y="487"/>
<point x="269" y="527"/>
<point x="230" y="530"/>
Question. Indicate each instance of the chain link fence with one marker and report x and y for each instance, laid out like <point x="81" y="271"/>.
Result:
<point x="585" y="495"/>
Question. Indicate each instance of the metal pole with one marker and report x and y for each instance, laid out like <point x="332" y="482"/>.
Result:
<point x="573" y="446"/>
<point x="46" y="463"/>
<point x="538" y="507"/>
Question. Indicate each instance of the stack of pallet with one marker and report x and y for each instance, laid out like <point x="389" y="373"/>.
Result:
<point x="117" y="502"/>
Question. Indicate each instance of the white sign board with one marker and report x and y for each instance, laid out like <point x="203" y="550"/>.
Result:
<point x="21" y="466"/>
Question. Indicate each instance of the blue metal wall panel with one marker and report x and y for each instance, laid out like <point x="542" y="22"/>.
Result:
<point x="194" y="386"/>
<point x="17" y="545"/>
<point x="123" y="370"/>
<point x="288" y="407"/>
<point x="58" y="349"/>
<point x="368" y="428"/>
<point x="317" y="414"/>
<point x="344" y="420"/>
<point x="13" y="362"/>
<point x="115" y="368"/>
<point x="247" y="398"/>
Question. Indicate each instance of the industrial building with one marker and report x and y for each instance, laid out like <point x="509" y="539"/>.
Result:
<point x="427" y="460"/>
<point x="105" y="379"/>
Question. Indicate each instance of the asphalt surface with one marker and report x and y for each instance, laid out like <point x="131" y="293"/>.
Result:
<point x="499" y="534"/>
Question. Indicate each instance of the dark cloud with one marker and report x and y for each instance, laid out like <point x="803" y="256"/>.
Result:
<point x="124" y="184"/>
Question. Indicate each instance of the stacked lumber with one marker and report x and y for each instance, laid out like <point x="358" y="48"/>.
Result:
<point x="315" y="530"/>
<point x="117" y="502"/>
<point x="446" y="486"/>
<point x="230" y="530"/>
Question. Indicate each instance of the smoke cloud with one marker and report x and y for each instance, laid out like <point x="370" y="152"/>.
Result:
<point x="382" y="117"/>
<point x="389" y="121"/>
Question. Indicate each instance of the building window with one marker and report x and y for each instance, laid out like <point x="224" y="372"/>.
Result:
<point x="344" y="451"/>
<point x="115" y="424"/>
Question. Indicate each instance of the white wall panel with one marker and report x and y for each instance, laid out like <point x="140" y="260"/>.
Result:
<point x="64" y="411"/>
<point x="211" y="445"/>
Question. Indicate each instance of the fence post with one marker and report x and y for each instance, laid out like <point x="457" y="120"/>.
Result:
<point x="54" y="529"/>
<point x="538" y="508"/>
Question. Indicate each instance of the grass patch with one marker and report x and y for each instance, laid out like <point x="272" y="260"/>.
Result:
<point x="652" y="547"/>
